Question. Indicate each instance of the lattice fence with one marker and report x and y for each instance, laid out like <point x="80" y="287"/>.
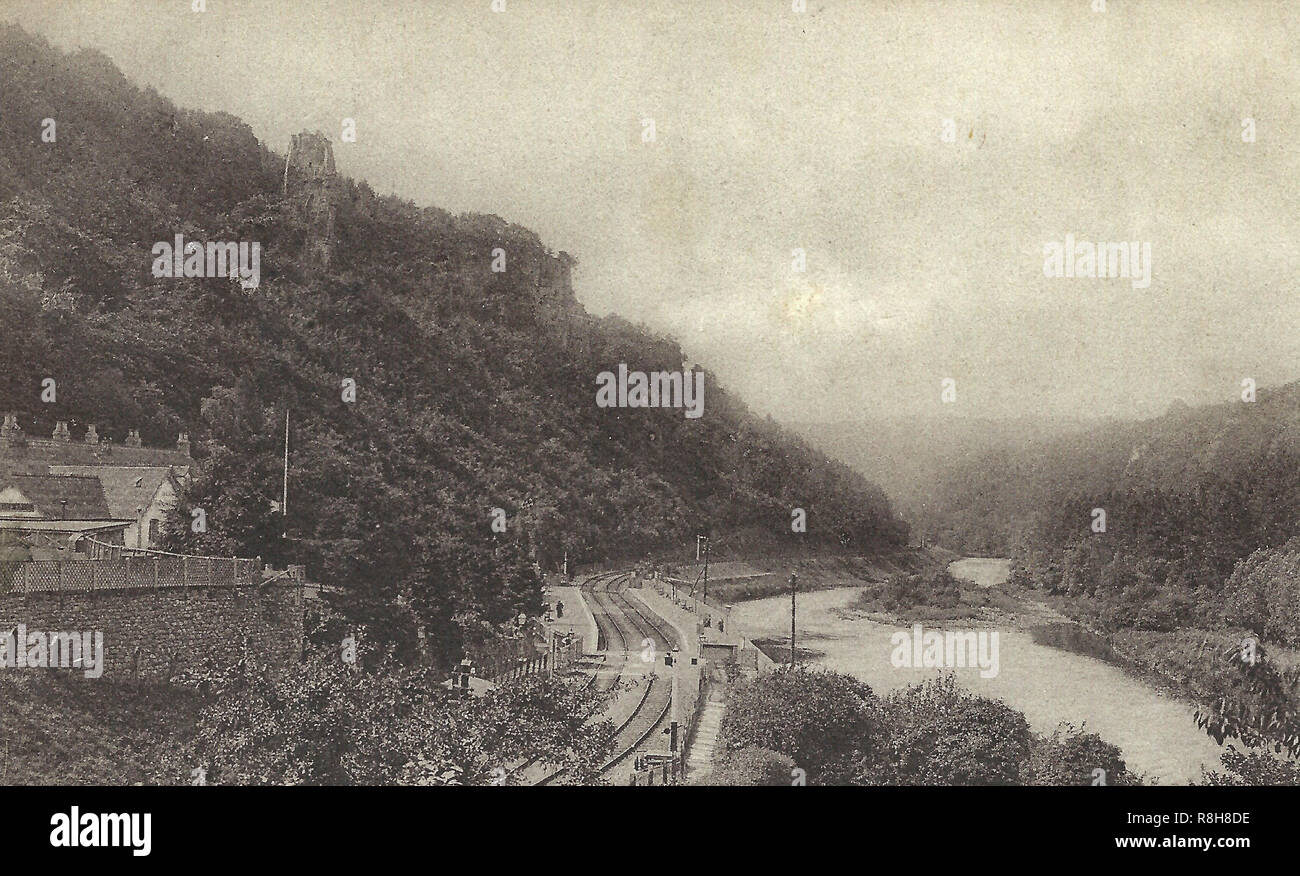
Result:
<point x="128" y="573"/>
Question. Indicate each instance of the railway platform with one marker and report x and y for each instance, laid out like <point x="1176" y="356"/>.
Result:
<point x="577" y="618"/>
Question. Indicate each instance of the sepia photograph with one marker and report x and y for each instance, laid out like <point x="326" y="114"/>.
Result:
<point x="421" y="397"/>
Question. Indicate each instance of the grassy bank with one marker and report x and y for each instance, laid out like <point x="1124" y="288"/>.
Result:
<point x="1196" y="664"/>
<point x="822" y="573"/>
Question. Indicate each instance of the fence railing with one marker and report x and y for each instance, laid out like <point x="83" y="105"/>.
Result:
<point x="103" y="550"/>
<point x="696" y="603"/>
<point x="126" y="573"/>
<point x="499" y="667"/>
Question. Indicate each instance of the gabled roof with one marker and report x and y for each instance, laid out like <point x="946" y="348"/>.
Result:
<point x="84" y="495"/>
<point x="128" y="489"/>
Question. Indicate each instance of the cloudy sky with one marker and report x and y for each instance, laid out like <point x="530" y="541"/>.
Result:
<point x="777" y="130"/>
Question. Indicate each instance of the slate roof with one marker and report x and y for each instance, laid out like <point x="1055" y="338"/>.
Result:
<point x="128" y="489"/>
<point x="85" y="495"/>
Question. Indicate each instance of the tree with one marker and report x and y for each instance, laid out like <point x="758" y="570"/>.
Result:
<point x="1071" y="757"/>
<point x="1254" y="701"/>
<point x="1252" y="768"/>
<point x="942" y="734"/>
<point x="331" y="721"/>
<point x="824" y="720"/>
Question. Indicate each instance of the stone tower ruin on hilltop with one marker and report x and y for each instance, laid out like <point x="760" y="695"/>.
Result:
<point x="311" y="183"/>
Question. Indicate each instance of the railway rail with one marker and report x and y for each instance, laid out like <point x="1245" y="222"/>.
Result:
<point x="624" y="630"/>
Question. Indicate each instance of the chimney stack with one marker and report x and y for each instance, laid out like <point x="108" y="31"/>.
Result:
<point x="61" y="431"/>
<point x="183" y="443"/>
<point x="133" y="438"/>
<point x="11" y="433"/>
<point x="92" y="437"/>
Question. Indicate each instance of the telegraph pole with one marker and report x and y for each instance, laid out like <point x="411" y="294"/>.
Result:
<point x="284" y="497"/>
<point x="674" y="656"/>
<point x="706" y="572"/>
<point x="793" y="589"/>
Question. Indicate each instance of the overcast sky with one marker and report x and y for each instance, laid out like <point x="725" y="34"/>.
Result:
<point x="820" y="130"/>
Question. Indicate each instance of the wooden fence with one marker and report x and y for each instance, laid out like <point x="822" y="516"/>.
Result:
<point x="127" y="573"/>
<point x="497" y="666"/>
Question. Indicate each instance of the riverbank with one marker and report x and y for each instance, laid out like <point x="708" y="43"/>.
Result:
<point x="1231" y="678"/>
<point x="757" y="577"/>
<point x="1156" y="732"/>
<point x="971" y="592"/>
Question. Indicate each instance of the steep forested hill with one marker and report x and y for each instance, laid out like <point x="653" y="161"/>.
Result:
<point x="1246" y="451"/>
<point x="475" y="390"/>
<point x="1187" y="496"/>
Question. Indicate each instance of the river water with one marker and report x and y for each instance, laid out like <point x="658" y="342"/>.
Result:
<point x="1157" y="733"/>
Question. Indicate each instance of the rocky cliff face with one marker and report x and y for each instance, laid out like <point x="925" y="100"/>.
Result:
<point x="311" y="183"/>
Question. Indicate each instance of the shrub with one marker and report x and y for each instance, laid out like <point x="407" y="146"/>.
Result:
<point x="923" y="596"/>
<point x="327" y="722"/>
<point x="1071" y="757"/>
<point x="752" y="765"/>
<point x="942" y="734"/>
<point x="1263" y="594"/>
<point x="824" y="720"/>
<point x="1253" y="768"/>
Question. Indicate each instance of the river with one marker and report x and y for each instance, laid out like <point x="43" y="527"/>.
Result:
<point x="1157" y="733"/>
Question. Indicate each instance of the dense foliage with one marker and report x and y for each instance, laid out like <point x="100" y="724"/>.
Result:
<point x="1201" y="517"/>
<point x="1253" y="768"/>
<point x="1263" y="594"/>
<point x="823" y="720"/>
<point x="1072" y="757"/>
<point x="1186" y="497"/>
<point x="932" y="733"/>
<point x="63" y="729"/>
<point x="754" y="766"/>
<point x="327" y="721"/>
<point x="942" y="734"/>
<point x="475" y="389"/>
<point x="336" y="722"/>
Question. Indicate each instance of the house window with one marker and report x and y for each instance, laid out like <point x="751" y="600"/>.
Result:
<point x="153" y="531"/>
<point x="16" y="506"/>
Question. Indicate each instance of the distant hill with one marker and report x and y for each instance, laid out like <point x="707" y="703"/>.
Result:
<point x="912" y="457"/>
<point x="474" y="389"/>
<point x="1209" y="483"/>
<point x="1187" y="497"/>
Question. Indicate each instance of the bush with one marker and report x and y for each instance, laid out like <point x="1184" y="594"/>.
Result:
<point x="1071" y="757"/>
<point x="942" y="734"/>
<point x="825" y="721"/>
<point x="327" y="722"/>
<point x="753" y="766"/>
<point x="1263" y="594"/>
<point x="929" y="595"/>
<point x="1253" y="768"/>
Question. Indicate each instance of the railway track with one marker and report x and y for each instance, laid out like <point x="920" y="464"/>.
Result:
<point x="625" y="629"/>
